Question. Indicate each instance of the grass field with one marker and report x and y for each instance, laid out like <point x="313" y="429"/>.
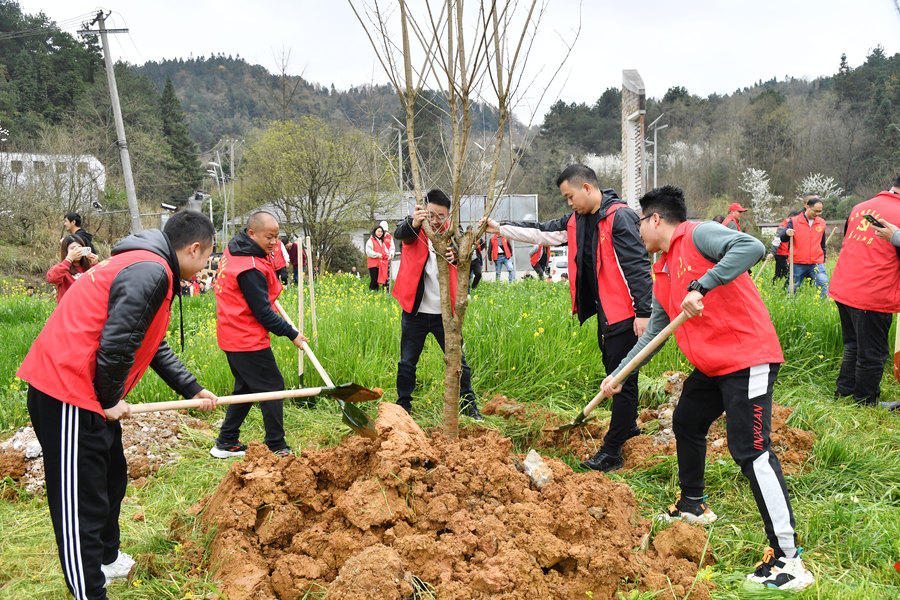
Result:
<point x="520" y="341"/>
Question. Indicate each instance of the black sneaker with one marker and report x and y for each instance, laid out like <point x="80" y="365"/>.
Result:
<point x="634" y="433"/>
<point x="695" y="512"/>
<point x="228" y="451"/>
<point x="470" y="409"/>
<point x="604" y="461"/>
<point x="283" y="453"/>
<point x="781" y="573"/>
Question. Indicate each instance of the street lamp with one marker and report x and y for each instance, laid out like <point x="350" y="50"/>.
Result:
<point x="655" y="128"/>
<point x="223" y="191"/>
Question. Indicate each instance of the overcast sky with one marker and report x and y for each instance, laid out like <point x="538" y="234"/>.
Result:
<point x="707" y="46"/>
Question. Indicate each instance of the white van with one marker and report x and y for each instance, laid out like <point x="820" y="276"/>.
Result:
<point x="558" y="265"/>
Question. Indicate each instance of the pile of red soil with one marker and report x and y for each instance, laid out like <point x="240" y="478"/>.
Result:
<point x="793" y="446"/>
<point x="407" y="514"/>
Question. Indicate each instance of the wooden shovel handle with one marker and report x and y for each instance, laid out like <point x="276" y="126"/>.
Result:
<point x="306" y="348"/>
<point x="237" y="399"/>
<point x="632" y="364"/>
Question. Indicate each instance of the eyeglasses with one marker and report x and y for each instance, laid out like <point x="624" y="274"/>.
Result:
<point x="642" y="219"/>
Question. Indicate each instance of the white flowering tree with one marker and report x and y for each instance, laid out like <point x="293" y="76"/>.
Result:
<point x="756" y="183"/>
<point x="817" y="183"/>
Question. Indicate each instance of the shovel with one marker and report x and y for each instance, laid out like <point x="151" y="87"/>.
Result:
<point x="344" y="393"/>
<point x="352" y="415"/>
<point x="583" y="418"/>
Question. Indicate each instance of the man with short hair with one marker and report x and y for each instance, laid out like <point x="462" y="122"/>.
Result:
<point x="808" y="231"/>
<point x="95" y="347"/>
<point x="866" y="287"/>
<point x="246" y="290"/>
<point x="418" y="292"/>
<point x="610" y="278"/>
<point x="781" y="250"/>
<point x="731" y="341"/>
<point x="72" y="224"/>
<point x="501" y="254"/>
<point x="733" y="219"/>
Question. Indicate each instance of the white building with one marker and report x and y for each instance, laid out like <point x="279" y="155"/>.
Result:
<point x="75" y="180"/>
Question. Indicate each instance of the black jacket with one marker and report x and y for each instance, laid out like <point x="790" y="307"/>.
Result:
<point x="626" y="238"/>
<point x="255" y="288"/>
<point x="136" y="295"/>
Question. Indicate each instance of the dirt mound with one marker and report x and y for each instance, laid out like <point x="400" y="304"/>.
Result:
<point x="408" y="515"/>
<point x="150" y="441"/>
<point x="793" y="446"/>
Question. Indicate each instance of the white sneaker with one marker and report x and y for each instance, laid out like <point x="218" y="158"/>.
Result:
<point x="781" y="573"/>
<point x="120" y="568"/>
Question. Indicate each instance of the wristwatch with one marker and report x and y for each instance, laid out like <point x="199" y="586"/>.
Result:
<point x="695" y="286"/>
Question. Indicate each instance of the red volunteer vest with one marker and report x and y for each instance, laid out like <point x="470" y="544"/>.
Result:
<point x="729" y="219"/>
<point x="278" y="257"/>
<point x="237" y="330"/>
<point x="867" y="274"/>
<point x="62" y="361"/>
<point x="412" y="266"/>
<point x="382" y="263"/>
<point x="494" y="251"/>
<point x="615" y="297"/>
<point x="734" y="332"/>
<point x="808" y="240"/>
<point x="537" y="256"/>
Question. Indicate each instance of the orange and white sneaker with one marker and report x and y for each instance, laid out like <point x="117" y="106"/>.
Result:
<point x="695" y="512"/>
<point x="781" y="573"/>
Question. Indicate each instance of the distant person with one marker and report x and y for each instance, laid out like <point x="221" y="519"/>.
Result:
<point x="419" y="294"/>
<point x="280" y="259"/>
<point x="808" y="231"/>
<point x="781" y="250"/>
<point x="539" y="258"/>
<point x="29" y="290"/>
<point x="95" y="347"/>
<point x="293" y="258"/>
<point x="74" y="260"/>
<point x="72" y="224"/>
<point x="730" y="340"/>
<point x="354" y="272"/>
<point x="501" y="254"/>
<point x="564" y="277"/>
<point x="610" y="272"/>
<point x="377" y="259"/>
<point x="246" y="291"/>
<point x="733" y="219"/>
<point x="865" y="286"/>
<point x="719" y="219"/>
<point x="388" y="241"/>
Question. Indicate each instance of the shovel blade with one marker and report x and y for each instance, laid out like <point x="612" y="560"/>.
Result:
<point x="357" y="420"/>
<point x="352" y="392"/>
<point x="580" y="421"/>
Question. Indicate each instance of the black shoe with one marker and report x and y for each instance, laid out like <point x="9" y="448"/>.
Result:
<point x="634" y="433"/>
<point x="406" y="404"/>
<point x="228" y="451"/>
<point x="470" y="409"/>
<point x="603" y="461"/>
<point x="893" y="405"/>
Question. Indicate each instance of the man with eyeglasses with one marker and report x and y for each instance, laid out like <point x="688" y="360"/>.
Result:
<point x="418" y="292"/>
<point x="609" y="276"/>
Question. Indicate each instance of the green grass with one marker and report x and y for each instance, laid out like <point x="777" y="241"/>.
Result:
<point x="520" y="341"/>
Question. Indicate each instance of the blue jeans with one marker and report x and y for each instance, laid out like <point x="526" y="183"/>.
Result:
<point x="815" y="273"/>
<point x="499" y="264"/>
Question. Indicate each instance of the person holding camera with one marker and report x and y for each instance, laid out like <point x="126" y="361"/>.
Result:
<point x="75" y="257"/>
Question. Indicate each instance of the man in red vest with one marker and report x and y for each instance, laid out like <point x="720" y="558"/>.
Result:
<point x="781" y="250"/>
<point x="808" y="231"/>
<point x="540" y="256"/>
<point x="280" y="259"/>
<point x="730" y="340"/>
<point x="246" y="290"/>
<point x="866" y="287"/>
<point x="733" y="219"/>
<point x="609" y="276"/>
<point x="501" y="254"/>
<point x="108" y="328"/>
<point x="418" y="292"/>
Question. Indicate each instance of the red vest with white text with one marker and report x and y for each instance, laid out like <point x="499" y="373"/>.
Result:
<point x="412" y="267"/>
<point x="734" y="332"/>
<point x="237" y="330"/>
<point x="62" y="361"/>
<point x="612" y="289"/>
<point x="867" y="274"/>
<point x="808" y="240"/>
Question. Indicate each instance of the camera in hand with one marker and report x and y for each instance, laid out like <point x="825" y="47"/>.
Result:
<point x="85" y="250"/>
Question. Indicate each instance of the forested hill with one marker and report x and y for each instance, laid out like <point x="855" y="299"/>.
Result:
<point x="224" y="97"/>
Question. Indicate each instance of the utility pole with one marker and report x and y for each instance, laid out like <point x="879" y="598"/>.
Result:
<point x="117" y="115"/>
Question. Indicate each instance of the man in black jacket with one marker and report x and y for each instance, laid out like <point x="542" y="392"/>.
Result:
<point x="72" y="224"/>
<point x="108" y="328"/>
<point x="609" y="276"/>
